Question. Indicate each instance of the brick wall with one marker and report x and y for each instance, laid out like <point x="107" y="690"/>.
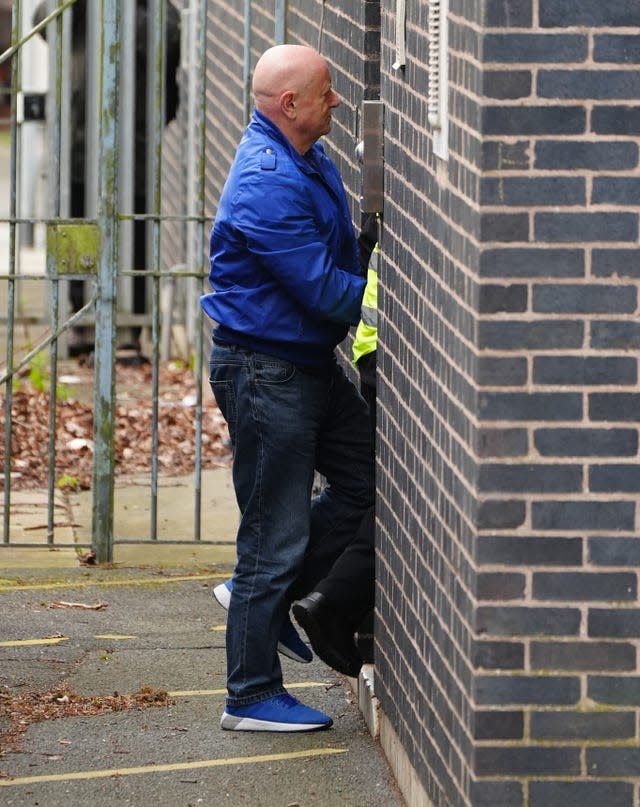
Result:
<point x="557" y="443"/>
<point x="508" y="618"/>
<point x="427" y="406"/>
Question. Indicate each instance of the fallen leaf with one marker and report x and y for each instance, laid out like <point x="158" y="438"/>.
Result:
<point x="19" y="710"/>
<point x="176" y="427"/>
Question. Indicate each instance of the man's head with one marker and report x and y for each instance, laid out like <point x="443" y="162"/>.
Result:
<point x="292" y="87"/>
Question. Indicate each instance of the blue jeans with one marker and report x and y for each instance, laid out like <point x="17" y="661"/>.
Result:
<point x="284" y="424"/>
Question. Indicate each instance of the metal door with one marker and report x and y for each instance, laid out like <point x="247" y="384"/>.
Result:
<point x="96" y="67"/>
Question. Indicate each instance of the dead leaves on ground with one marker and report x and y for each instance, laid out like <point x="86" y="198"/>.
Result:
<point x="176" y="428"/>
<point x="21" y="710"/>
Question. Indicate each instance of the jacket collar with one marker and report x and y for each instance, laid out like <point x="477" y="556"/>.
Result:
<point x="309" y="163"/>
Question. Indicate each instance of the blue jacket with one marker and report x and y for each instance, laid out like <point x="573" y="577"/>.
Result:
<point x="284" y="259"/>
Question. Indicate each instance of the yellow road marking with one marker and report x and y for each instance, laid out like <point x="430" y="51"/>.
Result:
<point x="108" y="583"/>
<point x="174" y="766"/>
<point x="220" y="628"/>
<point x="26" y="642"/>
<point x="113" y="636"/>
<point x="199" y="693"/>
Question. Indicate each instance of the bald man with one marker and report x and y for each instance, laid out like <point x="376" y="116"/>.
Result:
<point x="286" y="286"/>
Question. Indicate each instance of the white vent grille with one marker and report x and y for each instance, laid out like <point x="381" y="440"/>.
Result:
<point x="437" y="99"/>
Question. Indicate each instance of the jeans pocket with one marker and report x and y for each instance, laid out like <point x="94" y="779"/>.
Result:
<point x="224" y="393"/>
<point x="270" y="370"/>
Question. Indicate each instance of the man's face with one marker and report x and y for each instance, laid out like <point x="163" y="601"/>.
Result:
<point x="314" y="106"/>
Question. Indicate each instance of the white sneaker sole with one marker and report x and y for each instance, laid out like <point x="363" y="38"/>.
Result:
<point x="232" y="723"/>
<point x="222" y="595"/>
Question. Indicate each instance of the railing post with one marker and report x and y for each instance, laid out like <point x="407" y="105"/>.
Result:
<point x="105" y="331"/>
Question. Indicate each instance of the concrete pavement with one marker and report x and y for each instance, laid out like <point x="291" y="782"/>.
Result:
<point x="150" y="621"/>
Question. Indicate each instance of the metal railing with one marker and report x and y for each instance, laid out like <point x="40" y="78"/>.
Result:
<point x="97" y="249"/>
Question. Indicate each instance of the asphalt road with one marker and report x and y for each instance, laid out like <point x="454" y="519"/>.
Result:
<point x="96" y="632"/>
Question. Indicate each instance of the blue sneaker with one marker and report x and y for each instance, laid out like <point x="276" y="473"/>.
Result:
<point x="280" y="713"/>
<point x="290" y="644"/>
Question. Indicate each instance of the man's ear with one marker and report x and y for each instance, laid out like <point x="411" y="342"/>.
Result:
<point x="288" y="105"/>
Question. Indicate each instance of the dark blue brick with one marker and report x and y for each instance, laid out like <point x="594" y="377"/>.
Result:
<point x="505" y="690"/>
<point x="498" y="655"/>
<point x="620" y="120"/>
<point x="527" y="761"/>
<point x="500" y="586"/>
<point x="532" y="262"/>
<point x="507" y="83"/>
<point x="511" y="48"/>
<point x="584" y="586"/>
<point x="556" y="227"/>
<point x="614" y="623"/>
<point x="592" y="13"/>
<point x="614" y="478"/>
<point x="493" y="550"/>
<point x="530" y="406"/>
<point x="596" y="84"/>
<point x="623" y="406"/>
<point x="614" y="690"/>
<point x="583" y="656"/>
<point x="502" y="442"/>
<point x="611" y="551"/>
<point x="534" y="191"/>
<point x="579" y="794"/>
<point x="561" y="155"/>
<point x="616" y="191"/>
<point x="538" y="335"/>
<point x="617" y="48"/>
<point x="494" y="298"/>
<point x="496" y="794"/>
<point x="615" y="334"/>
<point x="578" y="299"/>
<point x="504" y="227"/>
<point x="621" y="262"/>
<point x="507" y="13"/>
<point x="507" y="725"/>
<point x="499" y="372"/>
<point x="589" y="370"/>
<point x="508" y="620"/>
<point x="497" y="155"/>
<point x="533" y="120"/>
<point x="582" y="726"/>
<point x="610" y="762"/>
<point x="529" y="477"/>
<point x="586" y="442"/>
<point x="583" y="515"/>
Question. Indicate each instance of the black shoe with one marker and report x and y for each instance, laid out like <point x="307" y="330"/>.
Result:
<point x="364" y="639"/>
<point x="330" y="636"/>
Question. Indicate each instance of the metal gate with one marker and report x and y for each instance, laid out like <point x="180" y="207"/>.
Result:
<point x="92" y="129"/>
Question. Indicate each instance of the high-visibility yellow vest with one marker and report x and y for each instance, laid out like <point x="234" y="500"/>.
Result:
<point x="367" y="331"/>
